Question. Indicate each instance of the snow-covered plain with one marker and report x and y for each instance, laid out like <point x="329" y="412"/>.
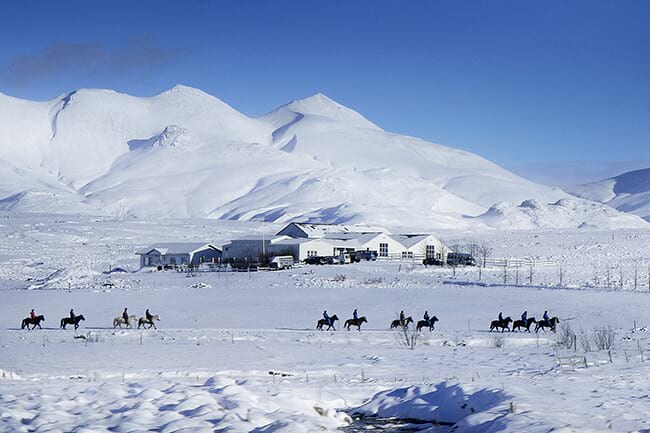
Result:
<point x="238" y="352"/>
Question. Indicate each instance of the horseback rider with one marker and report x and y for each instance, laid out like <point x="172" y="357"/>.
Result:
<point x="524" y="317"/>
<point x="72" y="313"/>
<point x="32" y="314"/>
<point x="125" y="315"/>
<point x="501" y="316"/>
<point x="148" y="315"/>
<point x="327" y="317"/>
<point x="355" y="315"/>
<point x="402" y="319"/>
<point x="426" y="317"/>
<point x="546" y="318"/>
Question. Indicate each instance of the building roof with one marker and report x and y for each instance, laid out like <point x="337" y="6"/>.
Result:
<point x="409" y="240"/>
<point x="316" y="230"/>
<point x="260" y="238"/>
<point x="295" y="241"/>
<point x="176" y="247"/>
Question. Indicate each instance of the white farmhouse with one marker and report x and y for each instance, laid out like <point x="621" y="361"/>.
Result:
<point x="178" y="254"/>
<point x="422" y="246"/>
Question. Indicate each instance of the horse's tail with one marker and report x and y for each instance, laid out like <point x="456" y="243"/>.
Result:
<point x="62" y="322"/>
<point x="22" y="325"/>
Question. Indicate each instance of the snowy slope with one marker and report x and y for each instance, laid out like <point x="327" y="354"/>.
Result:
<point x="628" y="192"/>
<point x="563" y="214"/>
<point x="185" y="153"/>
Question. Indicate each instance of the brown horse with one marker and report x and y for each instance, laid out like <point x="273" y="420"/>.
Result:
<point x="551" y="324"/>
<point x="330" y="324"/>
<point x="503" y="324"/>
<point x="70" y="321"/>
<point x="36" y="321"/>
<point x="355" y="322"/>
<point x="143" y="321"/>
<point x="431" y="323"/>
<point x="396" y="323"/>
<point x="519" y="324"/>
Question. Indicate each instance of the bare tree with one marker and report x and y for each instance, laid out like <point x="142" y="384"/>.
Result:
<point x="483" y="250"/>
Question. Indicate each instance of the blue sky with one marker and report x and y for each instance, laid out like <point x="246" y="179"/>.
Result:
<point x="523" y="83"/>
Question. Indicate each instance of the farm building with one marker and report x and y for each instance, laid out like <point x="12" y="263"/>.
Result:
<point x="317" y="231"/>
<point x="302" y="240"/>
<point x="178" y="254"/>
<point x="250" y="247"/>
<point x="422" y="245"/>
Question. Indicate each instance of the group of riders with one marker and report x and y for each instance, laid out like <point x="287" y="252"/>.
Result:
<point x="526" y="321"/>
<point x="402" y="318"/>
<point x="125" y="315"/>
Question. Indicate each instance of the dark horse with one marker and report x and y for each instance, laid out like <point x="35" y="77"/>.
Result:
<point x="543" y="324"/>
<point x="70" y="321"/>
<point x="35" y="321"/>
<point x="396" y="323"/>
<point x="330" y="324"/>
<point x="503" y="324"/>
<point x="519" y="324"/>
<point x="431" y="323"/>
<point x="355" y="322"/>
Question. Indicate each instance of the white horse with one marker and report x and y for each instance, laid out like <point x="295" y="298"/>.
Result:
<point x="144" y="321"/>
<point x="119" y="321"/>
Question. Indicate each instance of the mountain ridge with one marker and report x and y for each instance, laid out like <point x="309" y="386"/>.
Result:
<point x="186" y="153"/>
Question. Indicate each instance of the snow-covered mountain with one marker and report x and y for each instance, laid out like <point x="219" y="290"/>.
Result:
<point x="185" y="153"/>
<point x="628" y="192"/>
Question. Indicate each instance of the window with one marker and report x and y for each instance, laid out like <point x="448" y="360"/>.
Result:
<point x="407" y="254"/>
<point x="383" y="250"/>
<point x="431" y="251"/>
<point x="172" y="260"/>
<point x="311" y="253"/>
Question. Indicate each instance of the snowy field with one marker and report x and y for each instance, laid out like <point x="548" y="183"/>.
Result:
<point x="237" y="352"/>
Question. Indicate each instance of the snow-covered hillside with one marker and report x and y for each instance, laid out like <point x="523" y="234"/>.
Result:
<point x="628" y="192"/>
<point x="185" y="153"/>
<point x="563" y="214"/>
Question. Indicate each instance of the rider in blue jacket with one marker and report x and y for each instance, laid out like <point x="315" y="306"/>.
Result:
<point x="327" y="317"/>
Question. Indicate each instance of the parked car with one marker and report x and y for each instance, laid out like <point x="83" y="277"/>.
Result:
<point x="320" y="260"/>
<point x="314" y="260"/>
<point x="281" y="262"/>
<point x="430" y="261"/>
<point x="365" y="255"/>
<point x="460" y="259"/>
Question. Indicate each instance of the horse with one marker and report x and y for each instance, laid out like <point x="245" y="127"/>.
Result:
<point x="519" y="324"/>
<point x="503" y="324"/>
<point x="355" y="322"/>
<point x="542" y="324"/>
<point x="70" y="321"/>
<point x="330" y="324"/>
<point x="431" y="323"/>
<point x="36" y="321"/>
<point x="144" y="321"/>
<point x="397" y="323"/>
<point x="119" y="321"/>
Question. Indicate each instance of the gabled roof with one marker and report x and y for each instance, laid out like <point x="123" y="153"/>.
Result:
<point x="177" y="248"/>
<point x="296" y="241"/>
<point x="260" y="238"/>
<point x="362" y="238"/>
<point x="409" y="240"/>
<point x="316" y="230"/>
